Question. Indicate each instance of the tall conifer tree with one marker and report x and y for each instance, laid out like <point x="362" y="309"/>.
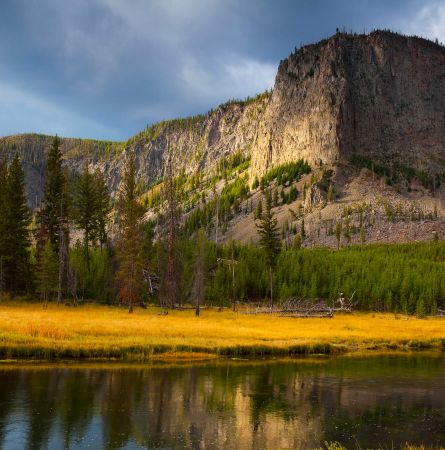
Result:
<point x="269" y="240"/>
<point x="55" y="202"/>
<point x="3" y="227"/>
<point x="103" y="208"/>
<point x="171" y="279"/>
<point x="130" y="240"/>
<point x="18" y="218"/>
<point x="84" y="209"/>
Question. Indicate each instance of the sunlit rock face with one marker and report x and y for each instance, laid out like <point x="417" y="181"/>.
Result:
<point x="192" y="145"/>
<point x="380" y="95"/>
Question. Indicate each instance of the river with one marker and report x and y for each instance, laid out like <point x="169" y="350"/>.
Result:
<point x="366" y="401"/>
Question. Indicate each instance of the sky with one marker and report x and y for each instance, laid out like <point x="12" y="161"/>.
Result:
<point x="105" y="69"/>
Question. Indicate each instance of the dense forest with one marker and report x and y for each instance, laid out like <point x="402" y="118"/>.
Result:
<point x="118" y="257"/>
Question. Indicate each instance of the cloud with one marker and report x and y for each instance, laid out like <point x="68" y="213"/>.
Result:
<point x="232" y="79"/>
<point x="21" y="108"/>
<point x="429" y="21"/>
<point x="75" y="66"/>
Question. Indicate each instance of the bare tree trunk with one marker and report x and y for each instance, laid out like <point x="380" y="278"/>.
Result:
<point x="61" y="263"/>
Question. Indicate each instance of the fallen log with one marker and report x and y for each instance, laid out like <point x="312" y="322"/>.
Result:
<point x="308" y="316"/>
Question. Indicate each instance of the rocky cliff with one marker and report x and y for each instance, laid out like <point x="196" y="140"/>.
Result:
<point x="192" y="144"/>
<point x="378" y="99"/>
<point x="380" y="95"/>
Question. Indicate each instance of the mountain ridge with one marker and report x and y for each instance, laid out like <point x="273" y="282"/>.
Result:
<point x="348" y="102"/>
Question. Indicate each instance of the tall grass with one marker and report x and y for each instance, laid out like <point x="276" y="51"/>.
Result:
<point x="30" y="331"/>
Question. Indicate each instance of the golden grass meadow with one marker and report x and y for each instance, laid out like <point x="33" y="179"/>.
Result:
<point x="93" y="331"/>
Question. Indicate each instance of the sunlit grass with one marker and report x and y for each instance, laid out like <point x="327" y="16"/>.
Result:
<point x="28" y="330"/>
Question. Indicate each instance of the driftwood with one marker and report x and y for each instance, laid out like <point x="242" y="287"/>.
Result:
<point x="326" y="315"/>
<point x="303" y="308"/>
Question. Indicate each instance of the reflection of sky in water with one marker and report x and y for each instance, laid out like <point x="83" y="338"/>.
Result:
<point x="286" y="404"/>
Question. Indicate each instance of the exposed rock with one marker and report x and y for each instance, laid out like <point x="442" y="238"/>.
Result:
<point x="314" y="197"/>
<point x="381" y="96"/>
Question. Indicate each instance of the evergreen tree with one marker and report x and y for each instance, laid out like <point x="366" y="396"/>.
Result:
<point x="172" y="276"/>
<point x="55" y="202"/>
<point x="3" y="224"/>
<point x="275" y="197"/>
<point x="55" y="212"/>
<point x="14" y="228"/>
<point x="269" y="240"/>
<point x="259" y="210"/>
<point x="103" y="208"/>
<point x="130" y="240"/>
<point x="84" y="209"/>
<point x="338" y="228"/>
<point x="303" y="230"/>
<point x="91" y="209"/>
<point x="330" y="194"/>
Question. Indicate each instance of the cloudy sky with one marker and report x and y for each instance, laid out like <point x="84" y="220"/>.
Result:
<point x="107" y="68"/>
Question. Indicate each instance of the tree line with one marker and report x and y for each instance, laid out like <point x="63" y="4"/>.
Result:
<point x="82" y="245"/>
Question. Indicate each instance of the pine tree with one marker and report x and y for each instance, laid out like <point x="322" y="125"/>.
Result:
<point x="259" y="210"/>
<point x="330" y="194"/>
<point x="269" y="240"/>
<point x="55" y="212"/>
<point x="130" y="240"/>
<point x="275" y="197"/>
<point x="91" y="209"/>
<point x="171" y="281"/>
<point x="14" y="229"/>
<point x="3" y="224"/>
<point x="338" y="228"/>
<point x="103" y="208"/>
<point x="84" y="209"/>
<point x="55" y="201"/>
<point x="19" y="233"/>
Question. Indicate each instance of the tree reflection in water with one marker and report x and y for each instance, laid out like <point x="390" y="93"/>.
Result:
<point x="258" y="404"/>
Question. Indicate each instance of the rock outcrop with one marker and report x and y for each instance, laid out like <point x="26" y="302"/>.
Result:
<point x="380" y="95"/>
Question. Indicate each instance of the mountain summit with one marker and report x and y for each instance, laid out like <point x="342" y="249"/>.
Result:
<point x="365" y="111"/>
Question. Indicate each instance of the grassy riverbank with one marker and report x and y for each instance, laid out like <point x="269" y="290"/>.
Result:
<point x="30" y="331"/>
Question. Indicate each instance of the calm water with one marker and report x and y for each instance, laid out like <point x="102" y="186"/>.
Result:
<point x="366" y="401"/>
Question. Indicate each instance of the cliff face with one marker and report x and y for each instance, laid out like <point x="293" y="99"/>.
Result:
<point x="193" y="144"/>
<point x="381" y="96"/>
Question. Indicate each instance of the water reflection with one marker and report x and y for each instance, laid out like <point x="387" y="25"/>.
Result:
<point x="285" y="404"/>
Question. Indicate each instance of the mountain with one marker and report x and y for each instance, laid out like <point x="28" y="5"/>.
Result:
<point x="365" y="111"/>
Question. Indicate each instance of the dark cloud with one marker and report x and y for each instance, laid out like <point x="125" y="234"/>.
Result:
<point x="106" y="68"/>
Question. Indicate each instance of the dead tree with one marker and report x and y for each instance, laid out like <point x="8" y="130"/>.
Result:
<point x="198" y="287"/>
<point x="63" y="253"/>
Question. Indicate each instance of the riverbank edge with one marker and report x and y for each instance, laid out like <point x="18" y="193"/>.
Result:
<point x="191" y="352"/>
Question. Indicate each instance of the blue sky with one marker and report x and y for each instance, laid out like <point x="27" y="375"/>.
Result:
<point x="107" y="68"/>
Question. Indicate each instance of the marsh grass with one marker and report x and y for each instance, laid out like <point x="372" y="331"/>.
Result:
<point x="92" y="331"/>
